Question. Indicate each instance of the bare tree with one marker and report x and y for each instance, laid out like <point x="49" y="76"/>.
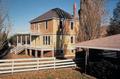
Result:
<point x="4" y="30"/>
<point x="90" y="14"/>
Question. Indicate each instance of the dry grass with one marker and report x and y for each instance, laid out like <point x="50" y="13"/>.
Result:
<point x="65" y="73"/>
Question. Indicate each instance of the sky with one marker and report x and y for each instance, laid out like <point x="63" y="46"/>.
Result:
<point x="22" y="11"/>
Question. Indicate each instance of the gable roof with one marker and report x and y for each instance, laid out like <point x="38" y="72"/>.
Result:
<point x="53" y="13"/>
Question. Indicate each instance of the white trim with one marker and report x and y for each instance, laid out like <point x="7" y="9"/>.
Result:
<point x="104" y="48"/>
<point x="29" y="64"/>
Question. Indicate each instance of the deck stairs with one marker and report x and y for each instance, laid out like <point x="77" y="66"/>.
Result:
<point x="17" y="49"/>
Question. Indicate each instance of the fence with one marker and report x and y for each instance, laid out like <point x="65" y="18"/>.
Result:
<point x="29" y="64"/>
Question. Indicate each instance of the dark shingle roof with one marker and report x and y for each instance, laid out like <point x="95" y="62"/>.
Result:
<point x="56" y="12"/>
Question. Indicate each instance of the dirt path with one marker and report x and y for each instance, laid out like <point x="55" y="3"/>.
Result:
<point x="15" y="56"/>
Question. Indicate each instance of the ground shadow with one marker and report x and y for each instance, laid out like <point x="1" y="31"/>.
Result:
<point x="99" y="66"/>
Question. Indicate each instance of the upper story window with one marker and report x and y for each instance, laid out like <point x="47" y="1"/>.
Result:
<point x="71" y="39"/>
<point x="36" y="26"/>
<point x="71" y="25"/>
<point x="46" y="25"/>
<point x="61" y="24"/>
<point x="33" y="27"/>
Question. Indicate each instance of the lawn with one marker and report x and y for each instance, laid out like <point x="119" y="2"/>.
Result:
<point x="65" y="73"/>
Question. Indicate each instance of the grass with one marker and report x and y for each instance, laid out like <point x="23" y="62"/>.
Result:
<point x="65" y="73"/>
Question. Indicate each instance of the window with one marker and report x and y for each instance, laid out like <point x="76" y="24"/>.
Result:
<point x="46" y="40"/>
<point x="61" y="24"/>
<point x="46" y="25"/>
<point x="33" y="27"/>
<point x="36" y="26"/>
<point x="71" y="23"/>
<point x="43" y="40"/>
<point x="72" y="51"/>
<point x="72" y="39"/>
<point x="39" y="26"/>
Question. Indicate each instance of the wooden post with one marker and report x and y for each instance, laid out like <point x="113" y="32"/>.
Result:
<point x="86" y="59"/>
<point x="26" y="40"/>
<point x="42" y="53"/>
<point x="17" y="40"/>
<point x="53" y="53"/>
<point x="36" y="53"/>
<point x="30" y="41"/>
<point x="26" y="52"/>
<point x="12" y="66"/>
<point x="30" y="52"/>
<point x="21" y="40"/>
<point x="54" y="63"/>
<point x="37" y="64"/>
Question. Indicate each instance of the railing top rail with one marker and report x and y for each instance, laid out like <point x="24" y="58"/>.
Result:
<point x="25" y="59"/>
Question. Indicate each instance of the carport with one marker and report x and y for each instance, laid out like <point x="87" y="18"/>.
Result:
<point x="105" y="43"/>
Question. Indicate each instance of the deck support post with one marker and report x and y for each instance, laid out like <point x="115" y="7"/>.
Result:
<point x="30" y="41"/>
<point x="17" y="40"/>
<point x="42" y="53"/>
<point x="86" y="59"/>
<point x="26" y="52"/>
<point x="53" y="53"/>
<point x="36" y="53"/>
<point x="30" y="52"/>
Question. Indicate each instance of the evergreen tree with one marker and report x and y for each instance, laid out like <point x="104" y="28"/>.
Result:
<point x="114" y="27"/>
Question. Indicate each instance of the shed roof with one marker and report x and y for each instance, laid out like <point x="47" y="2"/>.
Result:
<point x="106" y="43"/>
<point x="53" y="13"/>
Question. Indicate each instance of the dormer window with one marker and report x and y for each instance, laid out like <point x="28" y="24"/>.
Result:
<point x="46" y="25"/>
<point x="71" y="24"/>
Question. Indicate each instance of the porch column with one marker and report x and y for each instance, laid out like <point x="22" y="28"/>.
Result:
<point x="21" y="39"/>
<point x="26" y="40"/>
<point x="36" y="53"/>
<point x="17" y="40"/>
<point x="30" y="41"/>
<point x="30" y="52"/>
<point x="41" y="53"/>
<point x="53" y="53"/>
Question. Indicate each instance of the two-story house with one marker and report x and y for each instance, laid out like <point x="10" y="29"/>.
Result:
<point x="51" y="34"/>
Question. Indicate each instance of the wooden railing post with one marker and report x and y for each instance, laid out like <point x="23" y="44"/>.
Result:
<point x="54" y="63"/>
<point x="12" y="66"/>
<point x="37" y="64"/>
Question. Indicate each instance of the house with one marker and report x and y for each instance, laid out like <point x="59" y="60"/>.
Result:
<point x="51" y="34"/>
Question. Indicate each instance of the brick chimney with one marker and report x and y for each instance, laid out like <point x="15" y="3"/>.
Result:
<point x="74" y="9"/>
